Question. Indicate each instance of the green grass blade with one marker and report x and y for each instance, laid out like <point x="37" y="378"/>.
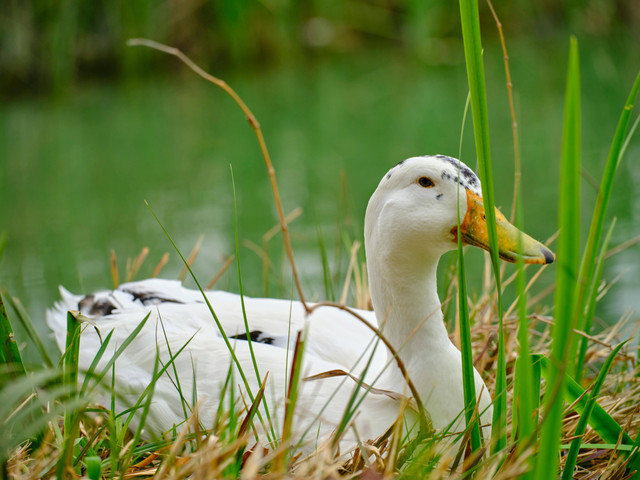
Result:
<point x="244" y="311"/>
<point x="176" y="383"/>
<point x="223" y="334"/>
<point x="70" y="381"/>
<point x="567" y="274"/>
<point x="93" y="465"/>
<point x="248" y="419"/>
<point x="526" y="390"/>
<point x="468" y="377"/>
<point x="149" y="391"/>
<point x="632" y="131"/>
<point x="465" y="114"/>
<point x="9" y="352"/>
<point x="71" y="359"/>
<point x="603" y="424"/>
<point x="31" y="407"/>
<point x="326" y="272"/>
<point x="634" y="461"/>
<point x="14" y="393"/>
<point x="29" y="328"/>
<point x="591" y="302"/>
<point x="535" y="394"/>
<point x="602" y="446"/>
<point x="295" y="378"/>
<point x="247" y="330"/>
<point x="475" y="74"/>
<point x="233" y="418"/>
<point x="24" y="419"/>
<point x="121" y="349"/>
<point x="90" y="373"/>
<point x="572" y="456"/>
<point x="223" y="391"/>
<point x="597" y="221"/>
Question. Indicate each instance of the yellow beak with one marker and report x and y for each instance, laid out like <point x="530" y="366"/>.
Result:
<point x="474" y="232"/>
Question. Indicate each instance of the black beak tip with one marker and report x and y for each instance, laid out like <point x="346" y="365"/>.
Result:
<point x="549" y="257"/>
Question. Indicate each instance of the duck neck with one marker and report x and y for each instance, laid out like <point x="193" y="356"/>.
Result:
<point x="405" y="298"/>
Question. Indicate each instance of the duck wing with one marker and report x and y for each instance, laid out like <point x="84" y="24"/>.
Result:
<point x="179" y="318"/>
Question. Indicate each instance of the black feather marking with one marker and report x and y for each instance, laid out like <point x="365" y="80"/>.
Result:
<point x="86" y="302"/>
<point x="149" y="298"/>
<point x="256" y="336"/>
<point x="439" y="196"/>
<point x="101" y="307"/>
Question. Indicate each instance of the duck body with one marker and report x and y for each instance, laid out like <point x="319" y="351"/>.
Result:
<point x="411" y="220"/>
<point x="335" y="341"/>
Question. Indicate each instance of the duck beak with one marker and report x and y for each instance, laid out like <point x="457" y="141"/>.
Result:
<point x="474" y="232"/>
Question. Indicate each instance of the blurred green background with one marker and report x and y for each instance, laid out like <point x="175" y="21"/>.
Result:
<point x="90" y="128"/>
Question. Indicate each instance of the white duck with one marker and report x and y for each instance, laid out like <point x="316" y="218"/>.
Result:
<point x="411" y="220"/>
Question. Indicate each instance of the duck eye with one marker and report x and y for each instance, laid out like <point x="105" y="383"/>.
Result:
<point x="425" y="182"/>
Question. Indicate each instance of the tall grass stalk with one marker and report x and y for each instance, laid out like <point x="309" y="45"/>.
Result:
<point x="244" y="311"/>
<point x="186" y="408"/>
<point x="585" y="279"/>
<point x="27" y="324"/>
<point x="525" y="390"/>
<point x="247" y="330"/>
<point x="70" y="381"/>
<point x="293" y="390"/>
<point x="572" y="456"/>
<point x="469" y="387"/>
<point x="475" y="74"/>
<point x="9" y="352"/>
<point x="567" y="273"/>
<point x="71" y="360"/>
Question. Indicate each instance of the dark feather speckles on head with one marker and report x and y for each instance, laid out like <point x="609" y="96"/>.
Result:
<point x="396" y="165"/>
<point x="467" y="177"/>
<point x="453" y="170"/>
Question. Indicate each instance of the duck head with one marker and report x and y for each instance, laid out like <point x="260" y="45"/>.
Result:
<point x="413" y="215"/>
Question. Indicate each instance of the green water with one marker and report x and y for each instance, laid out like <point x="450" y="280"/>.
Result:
<point x="75" y="173"/>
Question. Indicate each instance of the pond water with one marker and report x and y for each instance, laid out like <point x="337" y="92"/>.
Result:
<point x="75" y="173"/>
